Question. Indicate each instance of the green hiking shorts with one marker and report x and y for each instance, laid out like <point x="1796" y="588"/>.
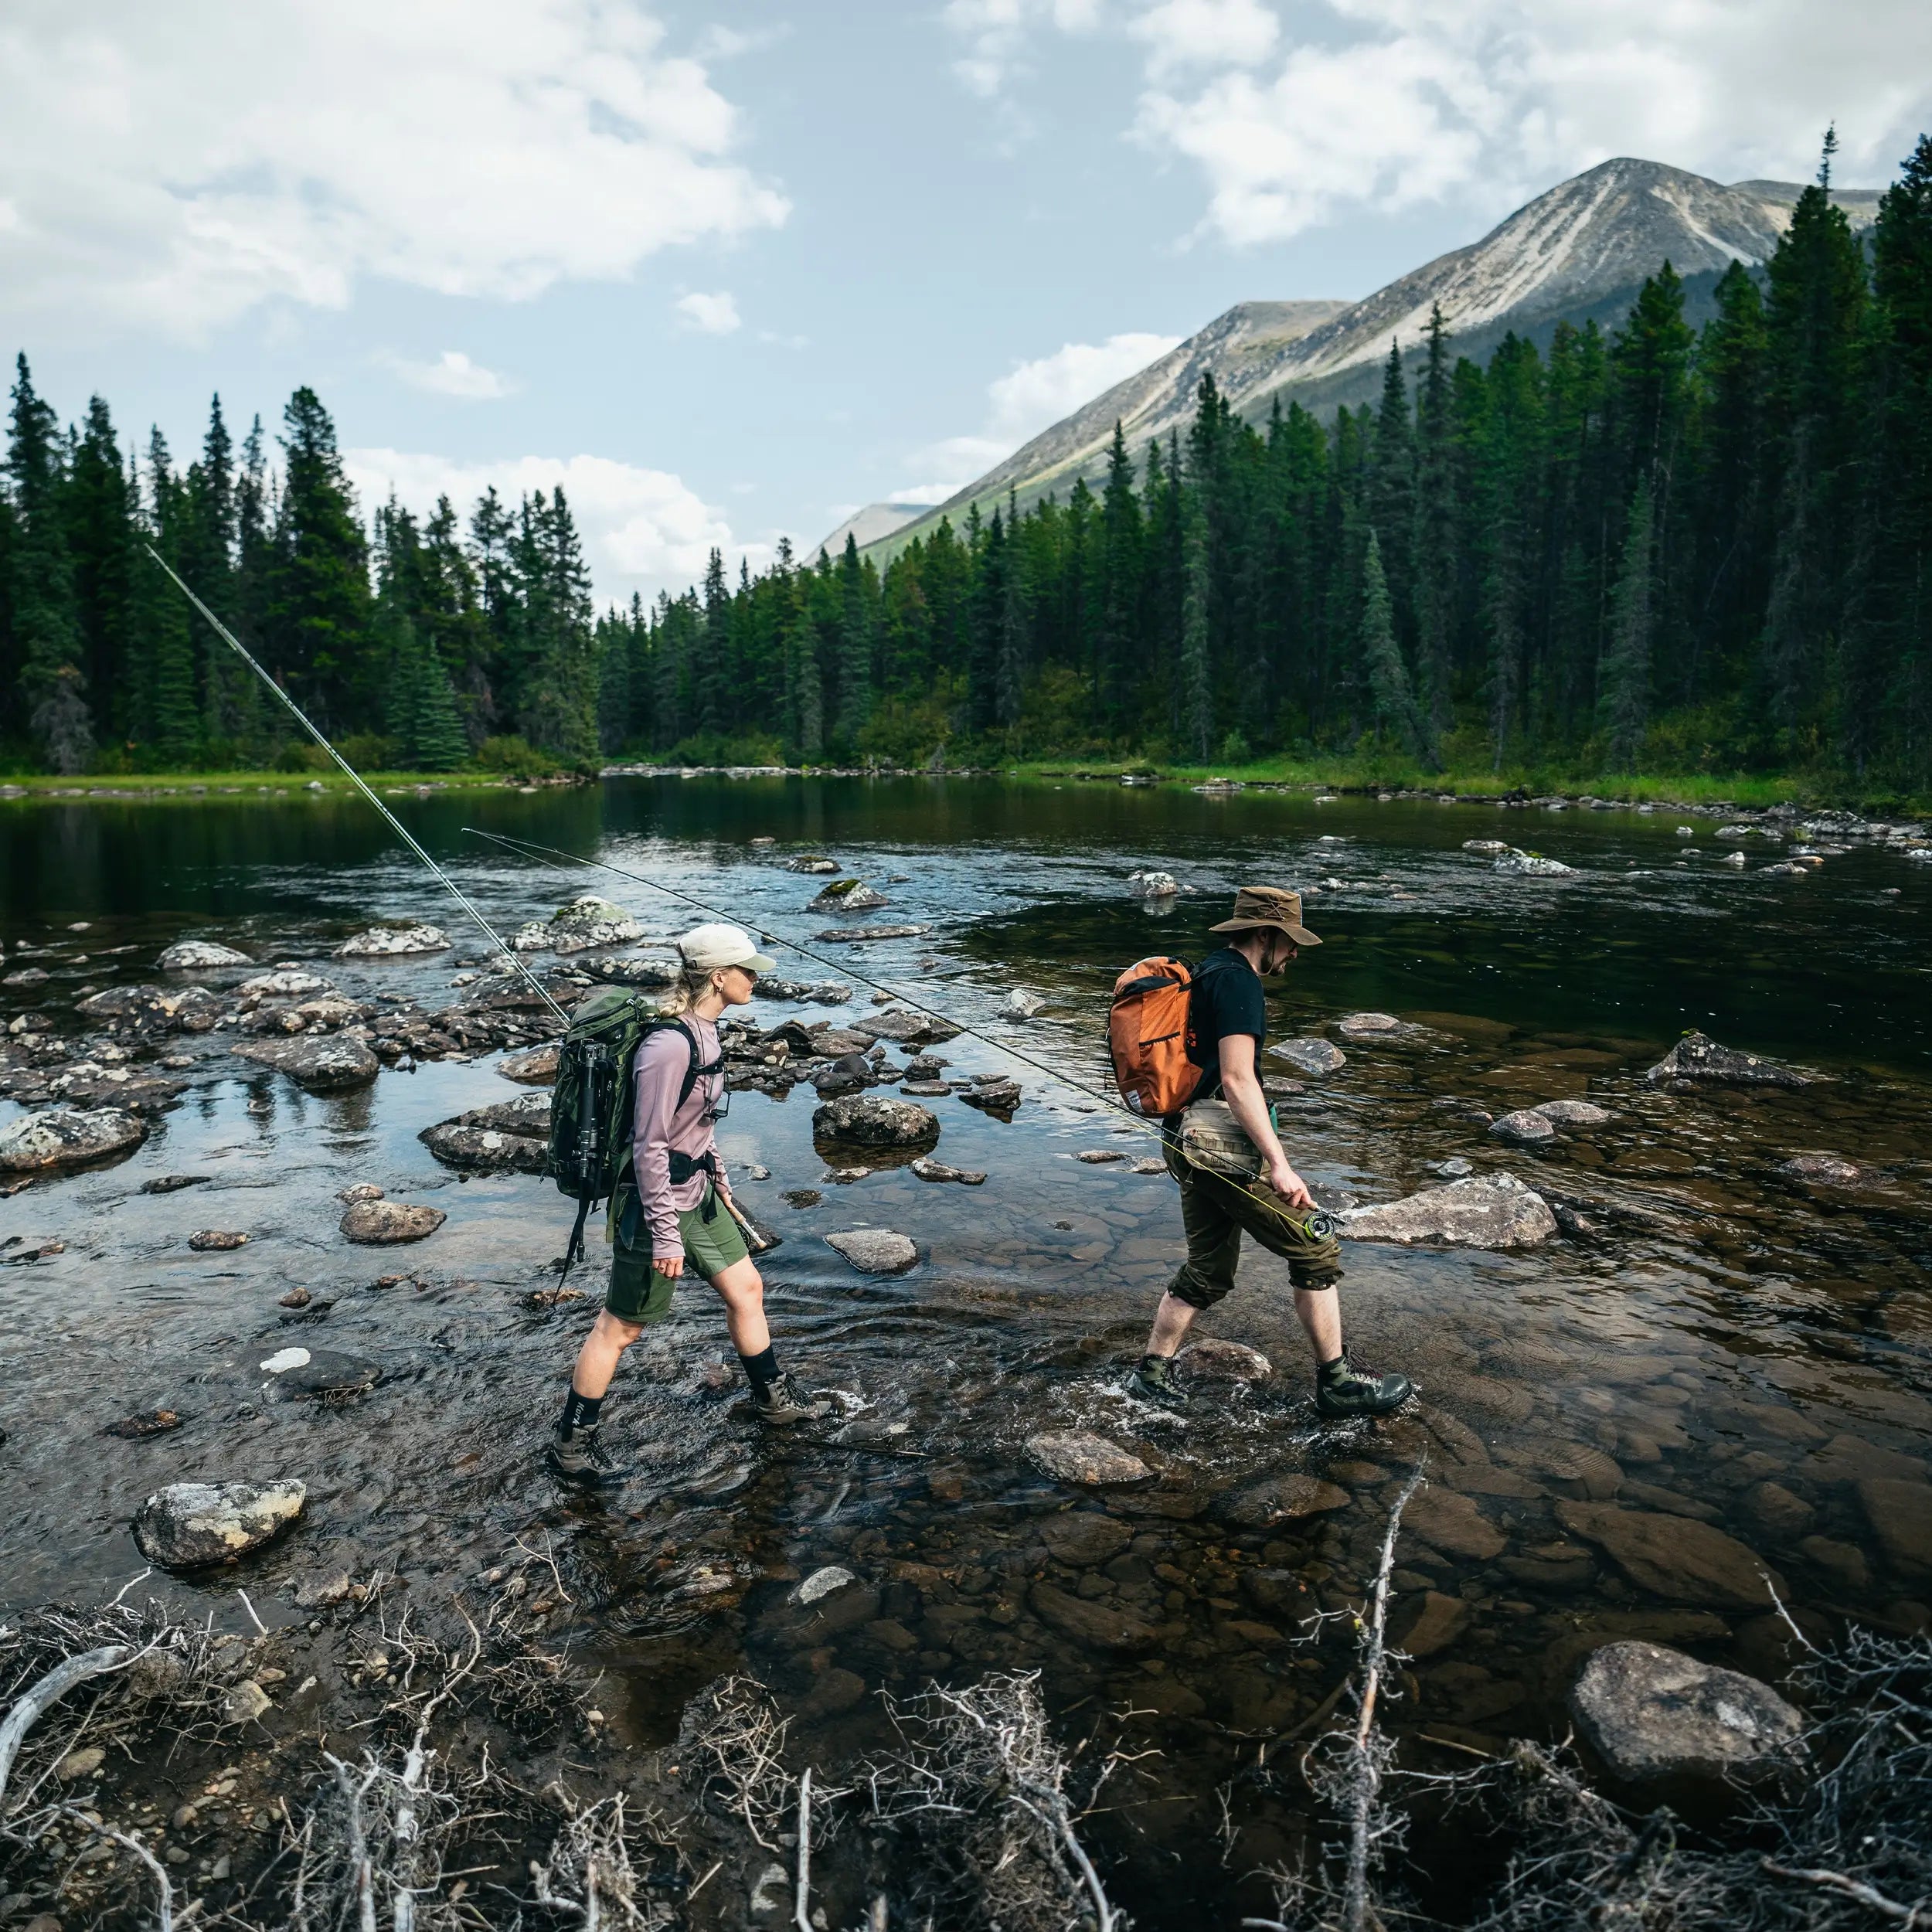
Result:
<point x="639" y="1293"/>
<point x="1216" y="1213"/>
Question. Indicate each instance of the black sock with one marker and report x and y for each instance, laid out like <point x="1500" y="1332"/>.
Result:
<point x="762" y="1369"/>
<point x="581" y="1412"/>
<point x="1147" y="1360"/>
<point x="1335" y="1367"/>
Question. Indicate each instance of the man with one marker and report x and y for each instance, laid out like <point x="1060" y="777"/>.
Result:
<point x="672" y="1211"/>
<point x="1227" y="1024"/>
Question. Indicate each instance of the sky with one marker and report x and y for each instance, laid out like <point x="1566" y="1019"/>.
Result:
<point x="725" y="273"/>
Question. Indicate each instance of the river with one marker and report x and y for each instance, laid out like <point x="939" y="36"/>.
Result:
<point x="1715" y="1342"/>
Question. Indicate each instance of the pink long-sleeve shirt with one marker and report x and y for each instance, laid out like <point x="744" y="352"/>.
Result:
<point x="660" y="1126"/>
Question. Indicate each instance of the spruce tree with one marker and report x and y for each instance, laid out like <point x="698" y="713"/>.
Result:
<point x="102" y="531"/>
<point x="1196" y="690"/>
<point x="858" y="644"/>
<point x="1390" y="692"/>
<point x="318" y="618"/>
<point x="1623" y="683"/>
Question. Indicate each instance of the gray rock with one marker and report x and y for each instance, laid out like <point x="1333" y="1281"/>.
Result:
<point x="811" y="862"/>
<point x="65" y="1136"/>
<point x="1698" y="1057"/>
<point x="284" y="983"/>
<point x="1494" y="1211"/>
<point x="901" y="1024"/>
<point x="536" y="1068"/>
<point x="483" y="1150"/>
<point x="246" y="1703"/>
<point x="321" y="1371"/>
<point x="190" y="1525"/>
<point x="389" y="942"/>
<point x="330" y="1063"/>
<point x="1528" y="1127"/>
<point x="1489" y="847"/>
<point x="928" y="1169"/>
<point x="1214" y="1359"/>
<point x="1529" y="864"/>
<point x="858" y="935"/>
<point x="381" y="1223"/>
<point x="1821" y="1170"/>
<point x="1153" y="885"/>
<point x="872" y="1120"/>
<point x="217" y="1240"/>
<point x="1571" y="1112"/>
<point x="1900" y="1514"/>
<point x="875" y="1251"/>
<point x="1077" y="1456"/>
<point x="187" y="954"/>
<point x="1369" y="1026"/>
<point x="1311" y="1056"/>
<point x="1662" y="1720"/>
<point x="847" y="895"/>
<point x="590" y="921"/>
<point x="1280" y="1499"/>
<point x="1021" y="1003"/>
<point x="993" y="1092"/>
<point x="822" y="1583"/>
<point x="1675" y="1557"/>
<point x="1082" y="1538"/>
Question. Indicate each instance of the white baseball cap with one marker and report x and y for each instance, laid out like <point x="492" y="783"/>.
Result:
<point x="705" y="948"/>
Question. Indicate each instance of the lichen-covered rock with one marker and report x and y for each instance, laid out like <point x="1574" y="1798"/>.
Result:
<point x="847" y="895"/>
<point x="536" y="1068"/>
<point x="217" y="1240"/>
<point x="1529" y="864"/>
<point x="858" y="935"/>
<point x="1573" y="1112"/>
<point x="321" y="1371"/>
<point x="1529" y="1127"/>
<point x="286" y="982"/>
<point x="1662" y="1720"/>
<point x="875" y="1251"/>
<point x="381" y="1223"/>
<point x="873" y="1120"/>
<point x="1153" y="885"/>
<point x="1698" y="1057"/>
<point x="1021" y="1003"/>
<point x="901" y="1024"/>
<point x="65" y="1137"/>
<point x="484" y="1150"/>
<point x="1493" y="1211"/>
<point x="1077" y="1456"/>
<point x="585" y="922"/>
<point x="1313" y="1057"/>
<point x="1821" y="1170"/>
<point x="190" y="1526"/>
<point x="186" y="955"/>
<point x="928" y="1169"/>
<point x="327" y="1064"/>
<point x="390" y="942"/>
<point x="1675" y="1557"/>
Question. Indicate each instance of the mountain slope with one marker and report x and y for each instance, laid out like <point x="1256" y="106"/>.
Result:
<point x="1582" y="249"/>
<point x="869" y="525"/>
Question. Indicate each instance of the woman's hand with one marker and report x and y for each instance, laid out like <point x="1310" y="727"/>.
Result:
<point x="669" y="1266"/>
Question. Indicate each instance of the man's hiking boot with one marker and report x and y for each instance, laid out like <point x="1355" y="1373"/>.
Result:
<point x="781" y="1401"/>
<point x="581" y="1458"/>
<point x="1153" y="1381"/>
<point x="1343" y="1390"/>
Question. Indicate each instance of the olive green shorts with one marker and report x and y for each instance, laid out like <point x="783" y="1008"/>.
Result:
<point x="639" y="1293"/>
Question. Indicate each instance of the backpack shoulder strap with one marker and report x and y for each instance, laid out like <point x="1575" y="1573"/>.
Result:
<point x="693" y="1069"/>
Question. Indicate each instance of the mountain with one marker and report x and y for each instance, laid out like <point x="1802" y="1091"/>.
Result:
<point x="1582" y="250"/>
<point x="869" y="525"/>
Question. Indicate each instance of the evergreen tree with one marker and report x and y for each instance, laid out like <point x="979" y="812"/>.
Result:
<point x="1623" y="686"/>
<point x="858" y="632"/>
<point x="101" y="540"/>
<point x="1434" y="549"/>
<point x="320" y="613"/>
<point x="1197" y="694"/>
<point x="43" y="615"/>
<point x="173" y="723"/>
<point x="560" y="700"/>
<point x="1393" y="698"/>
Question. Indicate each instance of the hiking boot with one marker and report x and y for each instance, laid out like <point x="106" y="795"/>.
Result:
<point x="1343" y="1390"/>
<point x="781" y="1401"/>
<point x="579" y="1456"/>
<point x="1153" y="1381"/>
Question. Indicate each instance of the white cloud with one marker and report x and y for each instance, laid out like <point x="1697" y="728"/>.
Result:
<point x="710" y="315"/>
<point x="174" y="167"/>
<point x="993" y="35"/>
<point x="1033" y="396"/>
<point x="644" y="530"/>
<point x="1206" y="33"/>
<point x="453" y="373"/>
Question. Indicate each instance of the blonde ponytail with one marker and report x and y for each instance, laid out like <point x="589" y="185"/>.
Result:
<point x="691" y="985"/>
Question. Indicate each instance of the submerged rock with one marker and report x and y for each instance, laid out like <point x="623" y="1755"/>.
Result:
<point x="1153" y="885"/>
<point x="1827" y="1170"/>
<point x="875" y="1251"/>
<point x="872" y="1120"/>
<point x="1453" y="1524"/>
<point x="321" y="1371"/>
<point x="329" y="1063"/>
<point x="1675" y="1557"/>
<point x="1698" y="1057"/>
<point x="389" y="942"/>
<point x="847" y="895"/>
<point x="1279" y="1499"/>
<point x="1493" y="1211"/>
<point x="1662" y="1720"/>
<point x="1900" y="1514"/>
<point x="217" y="1240"/>
<point x="1529" y="1127"/>
<point x="1077" y="1456"/>
<point x="1428" y="1624"/>
<point x="1021" y="1003"/>
<point x="1092" y="1624"/>
<point x="858" y="935"/>
<point x="1082" y="1538"/>
<point x="63" y="1137"/>
<point x="1214" y="1359"/>
<point x="931" y="1170"/>
<point x="380" y="1223"/>
<point x="1573" y="1112"/>
<point x="190" y="1525"/>
<point x="1315" y="1057"/>
<point x="185" y="955"/>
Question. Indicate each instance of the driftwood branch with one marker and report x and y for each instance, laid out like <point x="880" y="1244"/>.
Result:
<point x="1909" y="1915"/>
<point x="48" y="1693"/>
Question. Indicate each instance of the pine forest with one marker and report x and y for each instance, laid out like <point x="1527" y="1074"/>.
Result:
<point x="1656" y="549"/>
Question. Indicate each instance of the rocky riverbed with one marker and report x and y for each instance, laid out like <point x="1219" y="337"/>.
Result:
<point x="1672" y="1345"/>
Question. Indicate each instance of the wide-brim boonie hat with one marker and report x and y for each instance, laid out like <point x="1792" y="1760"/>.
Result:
<point x="705" y="948"/>
<point x="1258" y="906"/>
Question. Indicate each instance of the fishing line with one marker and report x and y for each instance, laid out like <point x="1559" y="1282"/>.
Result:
<point x="395" y="825"/>
<point x="845" y="971"/>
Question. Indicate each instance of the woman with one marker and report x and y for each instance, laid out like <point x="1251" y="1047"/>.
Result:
<point x="670" y="1211"/>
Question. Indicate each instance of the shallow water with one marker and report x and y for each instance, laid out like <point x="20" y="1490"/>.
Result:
<point x="1728" y="1346"/>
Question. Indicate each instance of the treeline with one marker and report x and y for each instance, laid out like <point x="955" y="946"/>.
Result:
<point x="1663" y="549"/>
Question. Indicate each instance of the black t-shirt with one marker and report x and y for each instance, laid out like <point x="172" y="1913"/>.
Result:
<point x="1227" y="999"/>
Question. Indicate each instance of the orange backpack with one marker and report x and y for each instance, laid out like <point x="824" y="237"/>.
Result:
<point x="1147" y="1035"/>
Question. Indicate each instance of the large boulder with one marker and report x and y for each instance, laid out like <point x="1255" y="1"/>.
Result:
<point x="382" y="1223"/>
<point x="1315" y="1057"/>
<point x="901" y="1024"/>
<point x="485" y="1150"/>
<point x="1529" y="1127"/>
<point x="536" y="1068"/>
<point x="875" y="1251"/>
<point x="190" y="1526"/>
<point x="390" y="942"/>
<point x="1077" y="1456"/>
<point x="1673" y="1726"/>
<point x="321" y="1371"/>
<point x="188" y="955"/>
<point x="866" y="1120"/>
<point x="1673" y="1556"/>
<point x="1485" y="1211"/>
<point x="576" y="927"/>
<point x="65" y="1136"/>
<point x="1698" y="1058"/>
<point x="323" y="1063"/>
<point x="847" y="895"/>
<point x="1573" y="1112"/>
<point x="1529" y="864"/>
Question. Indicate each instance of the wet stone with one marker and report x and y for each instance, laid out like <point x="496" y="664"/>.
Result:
<point x="1573" y="1113"/>
<point x="1280" y="1499"/>
<point x="847" y="895"/>
<point x="186" y="955"/>
<point x="1697" y="1057"/>
<point x="1821" y="1170"/>
<point x="1096" y="1625"/>
<point x="1099" y="1156"/>
<point x="1454" y="1525"/>
<point x="153" y="1422"/>
<point x="872" y="1121"/>
<point x="1528" y="1127"/>
<point x="379" y="1223"/>
<point x="1076" y="1456"/>
<point x="1082" y="1538"/>
<point x="217" y="1240"/>
<point x="875" y="1251"/>
<point x="64" y="1137"/>
<point x="1674" y="1557"/>
<point x="1313" y="1057"/>
<point x="1429" y="1624"/>
<point x="173" y="1183"/>
<point x="536" y="1068"/>
<point x="1900" y="1514"/>
<point x="321" y="1371"/>
<point x="1215" y="1359"/>
<point x="330" y="1064"/>
<point x="390" y="942"/>
<point x="1494" y="1211"/>
<point x="190" y="1525"/>
<point x="928" y="1169"/>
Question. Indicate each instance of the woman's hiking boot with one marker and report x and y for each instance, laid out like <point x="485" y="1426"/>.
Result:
<point x="781" y="1401"/>
<point x="1344" y="1390"/>
<point x="578" y="1455"/>
<point x="1153" y="1381"/>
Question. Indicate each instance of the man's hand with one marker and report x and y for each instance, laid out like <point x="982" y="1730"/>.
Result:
<point x="669" y="1266"/>
<point x="1289" y="1184"/>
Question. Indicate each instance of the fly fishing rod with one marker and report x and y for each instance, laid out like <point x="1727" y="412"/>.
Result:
<point x="1319" y="1224"/>
<point x="395" y="825"/>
